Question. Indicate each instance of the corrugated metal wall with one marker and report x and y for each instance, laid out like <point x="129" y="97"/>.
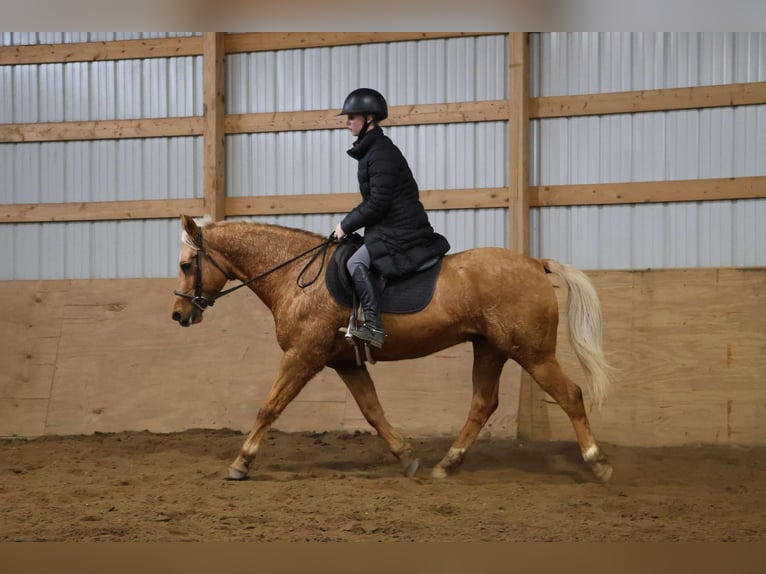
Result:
<point x="127" y="169"/>
<point x="708" y="143"/>
<point x="651" y="146"/>
<point x="441" y="156"/>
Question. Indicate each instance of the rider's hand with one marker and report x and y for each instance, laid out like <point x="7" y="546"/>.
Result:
<point x="339" y="233"/>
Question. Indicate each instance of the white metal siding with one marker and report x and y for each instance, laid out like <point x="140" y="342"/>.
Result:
<point x="109" y="170"/>
<point x="708" y="143"/>
<point x="430" y="71"/>
<point x="81" y="91"/>
<point x="96" y="250"/>
<point x="441" y="156"/>
<point x="651" y="146"/>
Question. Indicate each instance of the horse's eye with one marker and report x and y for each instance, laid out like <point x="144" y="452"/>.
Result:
<point x="186" y="267"/>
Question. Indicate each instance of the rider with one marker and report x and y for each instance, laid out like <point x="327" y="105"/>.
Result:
<point x="398" y="237"/>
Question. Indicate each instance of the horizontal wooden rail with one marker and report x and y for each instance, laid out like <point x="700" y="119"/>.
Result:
<point x="422" y="114"/>
<point x="484" y="111"/>
<point x="99" y="210"/>
<point x="102" y="129"/>
<point x="283" y="121"/>
<point x="436" y="199"/>
<point x="342" y="202"/>
<point x="649" y="100"/>
<point x="493" y="110"/>
<point x="238" y="206"/>
<point x="649" y="191"/>
<point x="540" y="196"/>
<point x="192" y="45"/>
<point x="268" y="41"/>
<point x="101" y="51"/>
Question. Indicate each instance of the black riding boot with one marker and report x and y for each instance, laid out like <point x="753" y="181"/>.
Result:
<point x="372" y="330"/>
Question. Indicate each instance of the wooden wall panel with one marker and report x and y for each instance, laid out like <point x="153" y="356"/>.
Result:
<point x="123" y="364"/>
<point x="104" y="355"/>
<point x="29" y="338"/>
<point x="690" y="346"/>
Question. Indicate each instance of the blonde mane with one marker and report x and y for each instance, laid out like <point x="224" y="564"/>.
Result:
<point x="207" y="221"/>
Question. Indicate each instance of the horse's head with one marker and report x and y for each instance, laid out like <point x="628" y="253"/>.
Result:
<point x="200" y="276"/>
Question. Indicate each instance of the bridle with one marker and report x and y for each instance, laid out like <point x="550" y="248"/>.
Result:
<point x="201" y="302"/>
<point x="198" y="299"/>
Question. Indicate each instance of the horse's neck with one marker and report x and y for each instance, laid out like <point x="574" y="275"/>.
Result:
<point x="254" y="249"/>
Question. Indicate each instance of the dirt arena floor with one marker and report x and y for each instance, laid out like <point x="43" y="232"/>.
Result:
<point x="347" y="487"/>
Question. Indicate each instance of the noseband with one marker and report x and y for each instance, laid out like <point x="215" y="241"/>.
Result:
<point x="201" y="302"/>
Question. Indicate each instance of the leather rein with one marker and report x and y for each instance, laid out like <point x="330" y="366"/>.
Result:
<point x="202" y="302"/>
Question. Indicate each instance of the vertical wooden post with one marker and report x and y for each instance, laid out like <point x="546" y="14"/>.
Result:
<point x="214" y="80"/>
<point x="518" y="185"/>
<point x="518" y="142"/>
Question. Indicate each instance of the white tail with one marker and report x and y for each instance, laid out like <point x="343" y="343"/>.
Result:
<point x="585" y="327"/>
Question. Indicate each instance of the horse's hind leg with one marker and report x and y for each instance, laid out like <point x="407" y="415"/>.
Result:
<point x="487" y="365"/>
<point x="362" y="388"/>
<point x="294" y="373"/>
<point x="555" y="382"/>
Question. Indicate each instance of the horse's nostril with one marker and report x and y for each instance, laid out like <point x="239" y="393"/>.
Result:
<point x="176" y="316"/>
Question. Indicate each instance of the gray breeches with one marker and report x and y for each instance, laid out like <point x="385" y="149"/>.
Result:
<point x="360" y="257"/>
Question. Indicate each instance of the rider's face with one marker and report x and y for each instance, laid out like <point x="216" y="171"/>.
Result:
<point x="355" y="123"/>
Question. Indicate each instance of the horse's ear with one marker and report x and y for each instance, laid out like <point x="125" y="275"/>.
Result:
<point x="189" y="225"/>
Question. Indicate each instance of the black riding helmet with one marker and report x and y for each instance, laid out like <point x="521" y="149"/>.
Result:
<point x="366" y="101"/>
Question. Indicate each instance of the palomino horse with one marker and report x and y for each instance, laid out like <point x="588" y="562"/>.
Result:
<point x="500" y="301"/>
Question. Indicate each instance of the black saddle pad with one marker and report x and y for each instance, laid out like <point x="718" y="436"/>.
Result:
<point x="407" y="294"/>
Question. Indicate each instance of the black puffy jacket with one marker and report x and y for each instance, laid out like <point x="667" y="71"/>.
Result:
<point x="397" y="232"/>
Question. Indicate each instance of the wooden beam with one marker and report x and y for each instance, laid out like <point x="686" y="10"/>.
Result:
<point x="484" y="111"/>
<point x="192" y="45"/>
<point x="282" y="121"/>
<point x="214" y="81"/>
<point x="518" y="142"/>
<point x="458" y="112"/>
<point x="649" y="100"/>
<point x="100" y="51"/>
<point x="245" y="123"/>
<point x="478" y="198"/>
<point x="271" y="41"/>
<point x="472" y="198"/>
<point x="727" y="188"/>
<point x="99" y="210"/>
<point x="518" y="161"/>
<point x="343" y="202"/>
<point x="100" y="130"/>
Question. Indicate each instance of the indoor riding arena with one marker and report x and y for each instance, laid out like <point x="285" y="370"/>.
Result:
<point x="638" y="158"/>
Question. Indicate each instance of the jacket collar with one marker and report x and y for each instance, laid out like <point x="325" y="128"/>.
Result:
<point x="363" y="144"/>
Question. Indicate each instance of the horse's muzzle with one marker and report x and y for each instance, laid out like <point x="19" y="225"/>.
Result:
<point x="179" y="318"/>
<point x="187" y="320"/>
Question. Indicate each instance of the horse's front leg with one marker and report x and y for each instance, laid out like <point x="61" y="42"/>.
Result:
<point x="487" y="365"/>
<point x="362" y="388"/>
<point x="294" y="373"/>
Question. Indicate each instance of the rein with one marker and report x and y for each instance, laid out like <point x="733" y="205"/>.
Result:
<point x="201" y="302"/>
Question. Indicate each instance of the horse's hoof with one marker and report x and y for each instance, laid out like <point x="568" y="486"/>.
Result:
<point x="603" y="471"/>
<point x="439" y="472"/>
<point x="411" y="468"/>
<point x="237" y="474"/>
